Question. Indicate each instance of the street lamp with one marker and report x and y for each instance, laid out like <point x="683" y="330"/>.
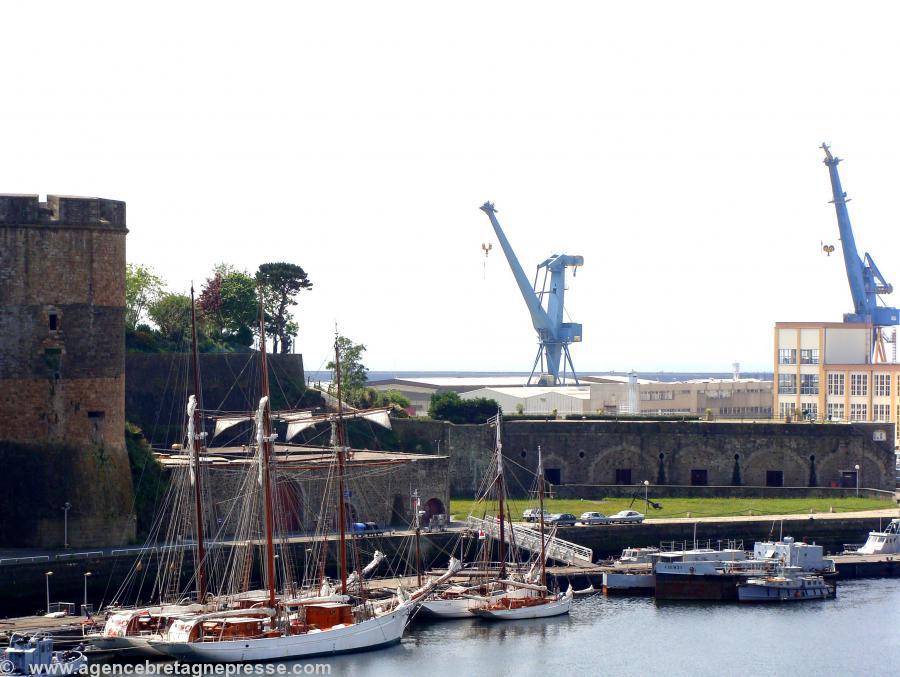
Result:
<point x="646" y="489"/>
<point x="47" y="579"/>
<point x="857" y="479"/>
<point x="84" y="607"/>
<point x="66" y="507"/>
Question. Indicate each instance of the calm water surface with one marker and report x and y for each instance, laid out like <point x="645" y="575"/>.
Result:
<point x="856" y="634"/>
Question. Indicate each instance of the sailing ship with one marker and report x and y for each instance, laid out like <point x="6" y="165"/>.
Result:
<point x="504" y="595"/>
<point x="290" y="628"/>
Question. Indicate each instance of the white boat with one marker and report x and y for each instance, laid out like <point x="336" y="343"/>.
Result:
<point x="35" y="655"/>
<point x="789" y="584"/>
<point x="187" y="639"/>
<point x="457" y="601"/>
<point x="586" y="592"/>
<point x="885" y="542"/>
<point x="511" y="608"/>
<point x="126" y="633"/>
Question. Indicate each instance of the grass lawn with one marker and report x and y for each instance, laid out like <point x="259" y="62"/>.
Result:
<point x="681" y="507"/>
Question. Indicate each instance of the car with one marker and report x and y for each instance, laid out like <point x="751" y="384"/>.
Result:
<point x="593" y="518"/>
<point x="627" y="516"/>
<point x="366" y="528"/>
<point x="534" y="514"/>
<point x="563" y="519"/>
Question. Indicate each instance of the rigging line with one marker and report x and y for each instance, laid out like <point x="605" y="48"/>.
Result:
<point x="235" y="379"/>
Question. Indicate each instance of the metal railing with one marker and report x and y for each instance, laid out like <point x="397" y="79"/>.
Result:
<point x="529" y="539"/>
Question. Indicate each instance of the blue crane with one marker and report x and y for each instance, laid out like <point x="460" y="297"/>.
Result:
<point x="554" y="335"/>
<point x="867" y="283"/>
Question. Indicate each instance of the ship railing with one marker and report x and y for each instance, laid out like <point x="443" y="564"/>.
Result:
<point x="709" y="544"/>
<point x="523" y="537"/>
<point x="24" y="560"/>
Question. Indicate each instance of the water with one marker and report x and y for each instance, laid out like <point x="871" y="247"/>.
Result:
<point x="853" y="634"/>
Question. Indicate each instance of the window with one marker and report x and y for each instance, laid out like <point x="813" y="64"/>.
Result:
<point x="787" y="356"/>
<point x="809" y="356"/>
<point x="699" y="478"/>
<point x="623" y="475"/>
<point x="835" y="384"/>
<point x="859" y="384"/>
<point x="53" y="321"/>
<point x="881" y="412"/>
<point x="809" y="410"/>
<point x="774" y="478"/>
<point x="858" y="412"/>
<point x="882" y="385"/>
<point x="786" y="409"/>
<point x="809" y="384"/>
<point x="835" y="411"/>
<point x="787" y="384"/>
<point x="658" y="395"/>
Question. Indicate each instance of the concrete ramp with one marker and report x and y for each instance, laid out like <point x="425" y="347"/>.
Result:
<point x="530" y="539"/>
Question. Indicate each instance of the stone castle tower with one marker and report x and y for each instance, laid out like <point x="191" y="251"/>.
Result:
<point x="62" y="365"/>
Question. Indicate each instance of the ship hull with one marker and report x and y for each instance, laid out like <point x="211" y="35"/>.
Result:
<point x="375" y="633"/>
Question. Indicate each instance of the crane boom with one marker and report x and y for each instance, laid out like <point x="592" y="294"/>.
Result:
<point x="554" y="335"/>
<point x="539" y="316"/>
<point x="866" y="281"/>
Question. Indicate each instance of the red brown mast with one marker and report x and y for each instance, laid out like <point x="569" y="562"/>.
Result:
<point x="195" y="459"/>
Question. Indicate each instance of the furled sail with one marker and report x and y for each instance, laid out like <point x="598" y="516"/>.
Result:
<point x="225" y="422"/>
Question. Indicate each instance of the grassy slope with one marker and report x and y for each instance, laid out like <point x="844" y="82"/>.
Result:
<point x="680" y="507"/>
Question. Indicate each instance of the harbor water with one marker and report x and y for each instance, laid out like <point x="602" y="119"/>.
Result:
<point x="853" y="634"/>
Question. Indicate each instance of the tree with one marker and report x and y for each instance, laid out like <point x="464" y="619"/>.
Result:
<point x="172" y="314"/>
<point x="449" y="406"/>
<point x="354" y="374"/>
<point x="143" y="287"/>
<point x="228" y="303"/>
<point x="281" y="282"/>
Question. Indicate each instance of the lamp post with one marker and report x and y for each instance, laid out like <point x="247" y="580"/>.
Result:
<point x="646" y="489"/>
<point x="66" y="507"/>
<point x="84" y="607"/>
<point x="857" y="479"/>
<point x="47" y="579"/>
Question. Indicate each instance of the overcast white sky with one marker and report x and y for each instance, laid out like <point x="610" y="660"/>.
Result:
<point x="673" y="145"/>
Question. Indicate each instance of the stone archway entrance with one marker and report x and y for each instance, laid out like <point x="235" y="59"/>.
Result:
<point x="432" y="508"/>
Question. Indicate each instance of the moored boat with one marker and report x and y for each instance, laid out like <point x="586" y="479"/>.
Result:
<point x="35" y="655"/>
<point x="789" y="584"/>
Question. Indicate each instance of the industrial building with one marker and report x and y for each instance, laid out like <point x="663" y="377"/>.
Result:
<point x="736" y="398"/>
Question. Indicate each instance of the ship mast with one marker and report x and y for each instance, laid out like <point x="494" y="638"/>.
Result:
<point x="500" y="492"/>
<point x="541" y="508"/>
<point x="342" y="519"/>
<point x="195" y="441"/>
<point x="266" y="442"/>
<point x="418" y="537"/>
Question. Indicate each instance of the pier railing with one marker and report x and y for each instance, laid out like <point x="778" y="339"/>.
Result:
<point x="529" y="539"/>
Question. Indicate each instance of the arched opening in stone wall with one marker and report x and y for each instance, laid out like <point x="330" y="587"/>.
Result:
<point x="398" y="511"/>
<point x="736" y="471"/>
<point x="813" y="479"/>
<point x="433" y="508"/>
<point x="661" y="470"/>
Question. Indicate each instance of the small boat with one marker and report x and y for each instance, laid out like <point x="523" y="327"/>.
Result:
<point x="789" y="584"/>
<point x="35" y="655"/>
<point x="585" y="592"/>
<point x="885" y="542"/>
<point x="535" y="605"/>
<point x="457" y="601"/>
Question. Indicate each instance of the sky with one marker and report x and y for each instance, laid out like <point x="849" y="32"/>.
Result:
<point x="675" y="146"/>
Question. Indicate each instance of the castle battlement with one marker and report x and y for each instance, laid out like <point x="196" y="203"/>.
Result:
<point x="61" y="211"/>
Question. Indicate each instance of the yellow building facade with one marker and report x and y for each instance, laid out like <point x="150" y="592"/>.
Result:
<point x="825" y="371"/>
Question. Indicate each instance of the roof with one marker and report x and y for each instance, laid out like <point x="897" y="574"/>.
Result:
<point x="526" y="392"/>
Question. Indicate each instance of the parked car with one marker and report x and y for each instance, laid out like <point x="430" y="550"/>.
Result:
<point x="563" y="519"/>
<point x="367" y="528"/>
<point x="534" y="514"/>
<point x="626" y="516"/>
<point x="593" y="518"/>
